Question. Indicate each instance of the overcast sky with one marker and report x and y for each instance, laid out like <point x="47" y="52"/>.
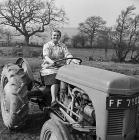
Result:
<point x="78" y="10"/>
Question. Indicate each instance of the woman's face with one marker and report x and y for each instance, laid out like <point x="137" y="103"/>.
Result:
<point x="55" y="37"/>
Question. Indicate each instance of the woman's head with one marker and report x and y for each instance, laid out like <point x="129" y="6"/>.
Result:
<point x="56" y="35"/>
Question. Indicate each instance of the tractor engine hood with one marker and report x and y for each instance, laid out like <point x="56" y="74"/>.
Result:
<point x="106" y="81"/>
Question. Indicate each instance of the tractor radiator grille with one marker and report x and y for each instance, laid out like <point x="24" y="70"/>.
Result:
<point x="131" y="123"/>
<point x="115" y="122"/>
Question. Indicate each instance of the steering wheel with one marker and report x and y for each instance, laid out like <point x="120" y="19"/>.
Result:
<point x="56" y="63"/>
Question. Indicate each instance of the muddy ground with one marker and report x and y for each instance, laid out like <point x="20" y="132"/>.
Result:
<point x="31" y="130"/>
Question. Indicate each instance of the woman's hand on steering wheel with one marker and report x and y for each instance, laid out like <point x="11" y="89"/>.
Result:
<point x="72" y="60"/>
<point x="75" y="61"/>
<point x="59" y="63"/>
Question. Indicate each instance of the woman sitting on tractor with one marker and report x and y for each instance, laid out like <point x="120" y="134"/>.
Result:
<point x="52" y="51"/>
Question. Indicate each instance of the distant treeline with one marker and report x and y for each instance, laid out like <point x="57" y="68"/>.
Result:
<point x="12" y="44"/>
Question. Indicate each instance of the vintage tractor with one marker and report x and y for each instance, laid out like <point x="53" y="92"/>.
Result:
<point x="92" y="103"/>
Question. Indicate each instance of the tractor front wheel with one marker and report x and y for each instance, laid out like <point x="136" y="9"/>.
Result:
<point x="54" y="130"/>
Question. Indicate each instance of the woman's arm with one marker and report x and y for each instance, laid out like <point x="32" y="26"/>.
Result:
<point x="66" y="52"/>
<point x="47" y="61"/>
<point x="68" y="55"/>
<point x="46" y="54"/>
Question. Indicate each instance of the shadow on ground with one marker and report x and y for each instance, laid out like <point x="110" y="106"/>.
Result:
<point x="31" y="130"/>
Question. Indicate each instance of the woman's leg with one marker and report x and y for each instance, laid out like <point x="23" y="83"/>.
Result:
<point x="54" y="91"/>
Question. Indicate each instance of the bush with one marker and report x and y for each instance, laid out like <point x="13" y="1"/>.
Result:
<point x="17" y="51"/>
<point x="114" y="58"/>
<point x="1" y="52"/>
<point x="36" y="53"/>
<point x="90" y="58"/>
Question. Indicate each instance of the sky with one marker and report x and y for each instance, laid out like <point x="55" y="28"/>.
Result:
<point x="78" y="10"/>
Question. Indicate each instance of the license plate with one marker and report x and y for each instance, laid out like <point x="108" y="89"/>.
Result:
<point x="118" y="102"/>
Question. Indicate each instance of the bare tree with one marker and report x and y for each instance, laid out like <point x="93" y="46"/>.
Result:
<point x="103" y="40"/>
<point x="78" y="40"/>
<point x="6" y="34"/>
<point x="124" y="33"/>
<point x="65" y="38"/>
<point x="91" y="27"/>
<point x="30" y="16"/>
<point x="134" y="38"/>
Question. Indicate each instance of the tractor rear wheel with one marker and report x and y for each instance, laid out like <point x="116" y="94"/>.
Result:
<point x="14" y="100"/>
<point x="13" y="116"/>
<point x="54" y="130"/>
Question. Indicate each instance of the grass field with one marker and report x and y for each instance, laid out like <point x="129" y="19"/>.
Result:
<point x="84" y="54"/>
<point x="36" y="118"/>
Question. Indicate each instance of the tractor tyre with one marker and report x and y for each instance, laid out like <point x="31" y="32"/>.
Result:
<point x="14" y="100"/>
<point x="54" y="130"/>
